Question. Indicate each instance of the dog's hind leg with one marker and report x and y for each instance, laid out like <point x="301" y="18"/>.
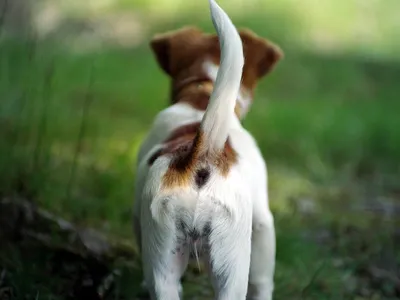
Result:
<point x="229" y="258"/>
<point x="262" y="266"/>
<point x="164" y="260"/>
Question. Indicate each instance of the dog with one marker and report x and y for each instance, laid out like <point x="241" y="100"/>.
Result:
<point x="201" y="182"/>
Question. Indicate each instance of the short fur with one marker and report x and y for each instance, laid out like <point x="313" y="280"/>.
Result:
<point x="201" y="178"/>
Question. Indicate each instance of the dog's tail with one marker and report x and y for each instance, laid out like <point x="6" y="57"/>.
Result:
<point x="220" y="111"/>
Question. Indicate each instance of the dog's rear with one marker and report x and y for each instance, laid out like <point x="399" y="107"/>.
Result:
<point x="192" y="191"/>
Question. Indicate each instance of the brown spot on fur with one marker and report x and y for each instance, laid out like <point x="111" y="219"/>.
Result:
<point x="186" y="130"/>
<point x="185" y="145"/>
<point x="181" y="55"/>
<point x="179" y="142"/>
<point x="197" y="97"/>
<point x="183" y="162"/>
<point x="226" y="159"/>
<point x="193" y="86"/>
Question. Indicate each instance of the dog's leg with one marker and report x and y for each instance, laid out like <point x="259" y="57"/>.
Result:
<point x="229" y="259"/>
<point x="164" y="261"/>
<point x="138" y="237"/>
<point x="262" y="266"/>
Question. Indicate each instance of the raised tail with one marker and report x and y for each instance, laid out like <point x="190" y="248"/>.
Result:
<point x="220" y="111"/>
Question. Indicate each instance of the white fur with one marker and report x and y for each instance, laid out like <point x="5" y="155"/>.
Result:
<point x="220" y="111"/>
<point x="241" y="245"/>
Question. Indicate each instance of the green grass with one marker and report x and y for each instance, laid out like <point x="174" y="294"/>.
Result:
<point x="326" y="121"/>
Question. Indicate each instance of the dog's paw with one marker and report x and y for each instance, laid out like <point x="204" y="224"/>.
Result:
<point x="145" y="289"/>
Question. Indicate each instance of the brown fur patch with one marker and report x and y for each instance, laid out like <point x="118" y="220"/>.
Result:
<point x="226" y="159"/>
<point x="196" y="93"/>
<point x="189" y="130"/>
<point x="186" y="147"/>
<point x="184" y="160"/>
<point x="181" y="55"/>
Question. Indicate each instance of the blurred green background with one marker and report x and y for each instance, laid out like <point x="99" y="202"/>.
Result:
<point x="79" y="88"/>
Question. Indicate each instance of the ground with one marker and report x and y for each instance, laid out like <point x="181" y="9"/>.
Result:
<point x="76" y="103"/>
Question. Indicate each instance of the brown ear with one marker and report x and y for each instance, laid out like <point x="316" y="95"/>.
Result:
<point x="175" y="49"/>
<point x="260" y="54"/>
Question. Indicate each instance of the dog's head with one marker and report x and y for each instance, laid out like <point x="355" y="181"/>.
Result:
<point x="188" y="55"/>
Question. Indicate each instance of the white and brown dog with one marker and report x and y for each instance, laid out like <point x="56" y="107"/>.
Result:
<point x="201" y="180"/>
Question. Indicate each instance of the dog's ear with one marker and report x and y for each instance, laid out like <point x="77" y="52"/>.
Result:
<point x="260" y="54"/>
<point x="176" y="49"/>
